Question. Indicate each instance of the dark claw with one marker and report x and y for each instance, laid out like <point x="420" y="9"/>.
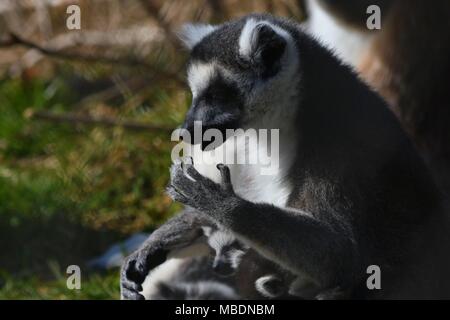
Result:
<point x="188" y="161"/>
<point x="132" y="286"/>
<point x="130" y="290"/>
<point x="176" y="195"/>
<point x="225" y="174"/>
<point x="131" y="295"/>
<point x="193" y="173"/>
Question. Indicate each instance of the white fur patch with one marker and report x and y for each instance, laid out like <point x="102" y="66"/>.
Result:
<point x="220" y="239"/>
<point x="192" y="34"/>
<point x="236" y="257"/>
<point x="164" y="272"/>
<point x="212" y="287"/>
<point x="260" y="286"/>
<point x="200" y="75"/>
<point x="247" y="180"/>
<point x="207" y="231"/>
<point x="246" y="38"/>
<point x="170" y="269"/>
<point x="348" y="44"/>
<point x="249" y="37"/>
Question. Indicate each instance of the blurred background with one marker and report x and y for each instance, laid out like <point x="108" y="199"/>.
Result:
<point x="86" y="117"/>
<point x="85" y="123"/>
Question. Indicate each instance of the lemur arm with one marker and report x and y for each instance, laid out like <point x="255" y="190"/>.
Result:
<point x="292" y="238"/>
<point x="180" y="231"/>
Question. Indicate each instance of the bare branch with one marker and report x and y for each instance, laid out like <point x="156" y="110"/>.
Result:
<point x="88" y="120"/>
<point x="136" y="36"/>
<point x="128" y="61"/>
<point x="7" y="41"/>
<point x="57" y="52"/>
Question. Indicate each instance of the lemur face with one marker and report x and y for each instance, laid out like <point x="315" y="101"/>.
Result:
<point x="228" y="251"/>
<point x="236" y="71"/>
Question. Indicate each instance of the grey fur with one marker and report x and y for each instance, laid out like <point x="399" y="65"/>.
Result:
<point x="360" y="193"/>
<point x="229" y="252"/>
<point x="195" y="281"/>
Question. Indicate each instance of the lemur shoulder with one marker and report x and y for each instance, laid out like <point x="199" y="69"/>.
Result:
<point x="406" y="61"/>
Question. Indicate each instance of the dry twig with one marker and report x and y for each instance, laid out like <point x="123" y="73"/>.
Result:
<point x="89" y="120"/>
<point x="56" y="52"/>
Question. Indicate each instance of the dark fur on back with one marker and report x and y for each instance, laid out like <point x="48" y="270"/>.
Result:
<point x="360" y="171"/>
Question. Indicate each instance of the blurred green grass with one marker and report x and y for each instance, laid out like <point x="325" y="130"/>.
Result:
<point x="97" y="286"/>
<point x="68" y="191"/>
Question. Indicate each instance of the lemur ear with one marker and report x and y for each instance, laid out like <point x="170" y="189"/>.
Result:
<point x="260" y="42"/>
<point x="191" y="34"/>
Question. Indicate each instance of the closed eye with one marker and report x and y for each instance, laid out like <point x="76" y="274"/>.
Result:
<point x="219" y="93"/>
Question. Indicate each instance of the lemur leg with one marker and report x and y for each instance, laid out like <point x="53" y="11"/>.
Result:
<point x="291" y="238"/>
<point x="180" y="231"/>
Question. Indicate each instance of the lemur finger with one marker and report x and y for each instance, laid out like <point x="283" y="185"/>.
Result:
<point x="177" y="176"/>
<point x="175" y="168"/>
<point x="131" y="285"/>
<point x="131" y="295"/>
<point x="225" y="174"/>
<point x="177" y="195"/>
<point x="192" y="172"/>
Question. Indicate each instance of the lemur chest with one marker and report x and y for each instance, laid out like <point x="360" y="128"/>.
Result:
<point x="251" y="185"/>
<point x="262" y="180"/>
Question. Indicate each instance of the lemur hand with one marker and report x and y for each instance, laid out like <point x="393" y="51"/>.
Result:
<point x="191" y="188"/>
<point x="132" y="275"/>
<point x="180" y="231"/>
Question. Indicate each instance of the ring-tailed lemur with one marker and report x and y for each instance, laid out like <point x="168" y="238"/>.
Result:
<point x="350" y="190"/>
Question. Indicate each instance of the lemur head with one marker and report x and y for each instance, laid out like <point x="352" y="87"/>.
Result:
<point x="240" y="71"/>
<point x="228" y="251"/>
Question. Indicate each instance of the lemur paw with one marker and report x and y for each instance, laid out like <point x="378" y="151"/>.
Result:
<point x="136" y="268"/>
<point x="131" y="278"/>
<point x="189" y="187"/>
